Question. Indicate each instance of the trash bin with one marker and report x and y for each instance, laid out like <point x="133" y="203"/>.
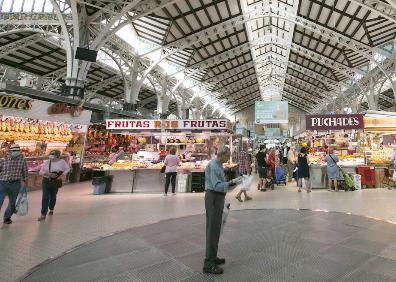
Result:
<point x="99" y="185"/>
<point x="183" y="180"/>
<point x="109" y="181"/>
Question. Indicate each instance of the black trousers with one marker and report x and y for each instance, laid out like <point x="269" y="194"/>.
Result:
<point x="49" y="197"/>
<point x="170" y="177"/>
<point x="214" y="205"/>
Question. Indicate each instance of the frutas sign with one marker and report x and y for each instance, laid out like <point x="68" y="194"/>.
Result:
<point x="135" y="124"/>
<point x="334" y="122"/>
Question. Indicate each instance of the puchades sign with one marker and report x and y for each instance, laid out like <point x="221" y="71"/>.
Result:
<point x="334" y="122"/>
<point x="186" y="124"/>
<point x="271" y="112"/>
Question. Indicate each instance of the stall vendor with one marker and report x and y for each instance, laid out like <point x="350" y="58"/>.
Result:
<point x="116" y="155"/>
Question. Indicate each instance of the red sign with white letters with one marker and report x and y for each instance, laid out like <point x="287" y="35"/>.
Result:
<point x="334" y="122"/>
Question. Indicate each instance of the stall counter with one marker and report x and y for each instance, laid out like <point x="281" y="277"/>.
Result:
<point x="318" y="174"/>
<point x="150" y="180"/>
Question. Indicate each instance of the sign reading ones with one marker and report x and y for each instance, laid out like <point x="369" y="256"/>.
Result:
<point x="15" y="102"/>
<point x="135" y="124"/>
<point x="334" y="122"/>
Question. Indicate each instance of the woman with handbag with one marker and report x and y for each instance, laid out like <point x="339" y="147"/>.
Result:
<point x="332" y="169"/>
<point x="53" y="170"/>
<point x="171" y="163"/>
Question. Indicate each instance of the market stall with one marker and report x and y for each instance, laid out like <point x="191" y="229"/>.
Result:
<point x="37" y="128"/>
<point x="341" y="133"/>
<point x="379" y="141"/>
<point x="139" y="147"/>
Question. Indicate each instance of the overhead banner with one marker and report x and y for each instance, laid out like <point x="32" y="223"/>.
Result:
<point x="271" y="112"/>
<point x="334" y="122"/>
<point x="18" y="106"/>
<point x="136" y="124"/>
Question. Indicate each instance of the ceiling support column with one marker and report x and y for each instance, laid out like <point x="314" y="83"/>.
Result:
<point x="163" y="99"/>
<point x="131" y="89"/>
<point x="371" y="96"/>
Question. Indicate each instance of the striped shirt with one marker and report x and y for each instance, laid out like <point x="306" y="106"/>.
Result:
<point x="12" y="169"/>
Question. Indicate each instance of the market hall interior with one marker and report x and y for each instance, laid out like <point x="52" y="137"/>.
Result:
<point x="186" y="140"/>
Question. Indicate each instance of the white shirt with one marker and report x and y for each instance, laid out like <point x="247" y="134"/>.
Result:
<point x="285" y="152"/>
<point x="171" y="162"/>
<point x="60" y="165"/>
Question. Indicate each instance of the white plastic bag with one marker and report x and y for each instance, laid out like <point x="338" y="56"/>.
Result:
<point x="226" y="211"/>
<point x="394" y="175"/>
<point x="22" y="204"/>
<point x="246" y="182"/>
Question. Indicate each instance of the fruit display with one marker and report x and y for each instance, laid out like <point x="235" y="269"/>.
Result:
<point x="25" y="129"/>
<point x="148" y="165"/>
<point x="380" y="156"/>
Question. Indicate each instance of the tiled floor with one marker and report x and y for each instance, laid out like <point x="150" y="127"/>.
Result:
<point x="256" y="248"/>
<point x="81" y="217"/>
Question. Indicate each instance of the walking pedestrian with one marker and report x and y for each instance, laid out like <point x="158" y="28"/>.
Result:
<point x="262" y="168"/>
<point x="171" y="162"/>
<point x="13" y="176"/>
<point x="303" y="170"/>
<point x="291" y="162"/>
<point x="271" y="163"/>
<point x="245" y="168"/>
<point x="53" y="170"/>
<point x="216" y="189"/>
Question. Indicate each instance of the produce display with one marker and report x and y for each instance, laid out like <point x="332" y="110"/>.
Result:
<point x="379" y="156"/>
<point x="148" y="165"/>
<point x="344" y="160"/>
<point x="15" y="128"/>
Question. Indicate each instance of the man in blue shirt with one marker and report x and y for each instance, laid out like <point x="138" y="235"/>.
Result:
<point x="216" y="189"/>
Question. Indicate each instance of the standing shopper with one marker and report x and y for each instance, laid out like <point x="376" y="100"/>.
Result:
<point x="171" y="162"/>
<point x="13" y="175"/>
<point x="303" y="170"/>
<point x="332" y="169"/>
<point x="286" y="150"/>
<point x="52" y="170"/>
<point x="291" y="162"/>
<point x="271" y="162"/>
<point x="216" y="189"/>
<point x="262" y="167"/>
<point x="245" y="168"/>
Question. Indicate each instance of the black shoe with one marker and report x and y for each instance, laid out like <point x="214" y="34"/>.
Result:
<point x="7" y="221"/>
<point x="214" y="269"/>
<point x="219" y="261"/>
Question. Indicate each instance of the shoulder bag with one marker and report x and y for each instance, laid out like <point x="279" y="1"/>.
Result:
<point x="54" y="183"/>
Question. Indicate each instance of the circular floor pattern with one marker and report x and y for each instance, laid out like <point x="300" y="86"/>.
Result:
<point x="259" y="245"/>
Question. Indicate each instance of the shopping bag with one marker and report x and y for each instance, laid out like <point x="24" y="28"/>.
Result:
<point x="226" y="211"/>
<point x="394" y="175"/>
<point x="22" y="203"/>
<point x="246" y="182"/>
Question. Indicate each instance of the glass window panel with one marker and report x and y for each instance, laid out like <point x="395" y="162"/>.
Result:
<point x="48" y="7"/>
<point x="17" y="6"/>
<point x="27" y="6"/>
<point x="7" y="5"/>
<point x="38" y="6"/>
